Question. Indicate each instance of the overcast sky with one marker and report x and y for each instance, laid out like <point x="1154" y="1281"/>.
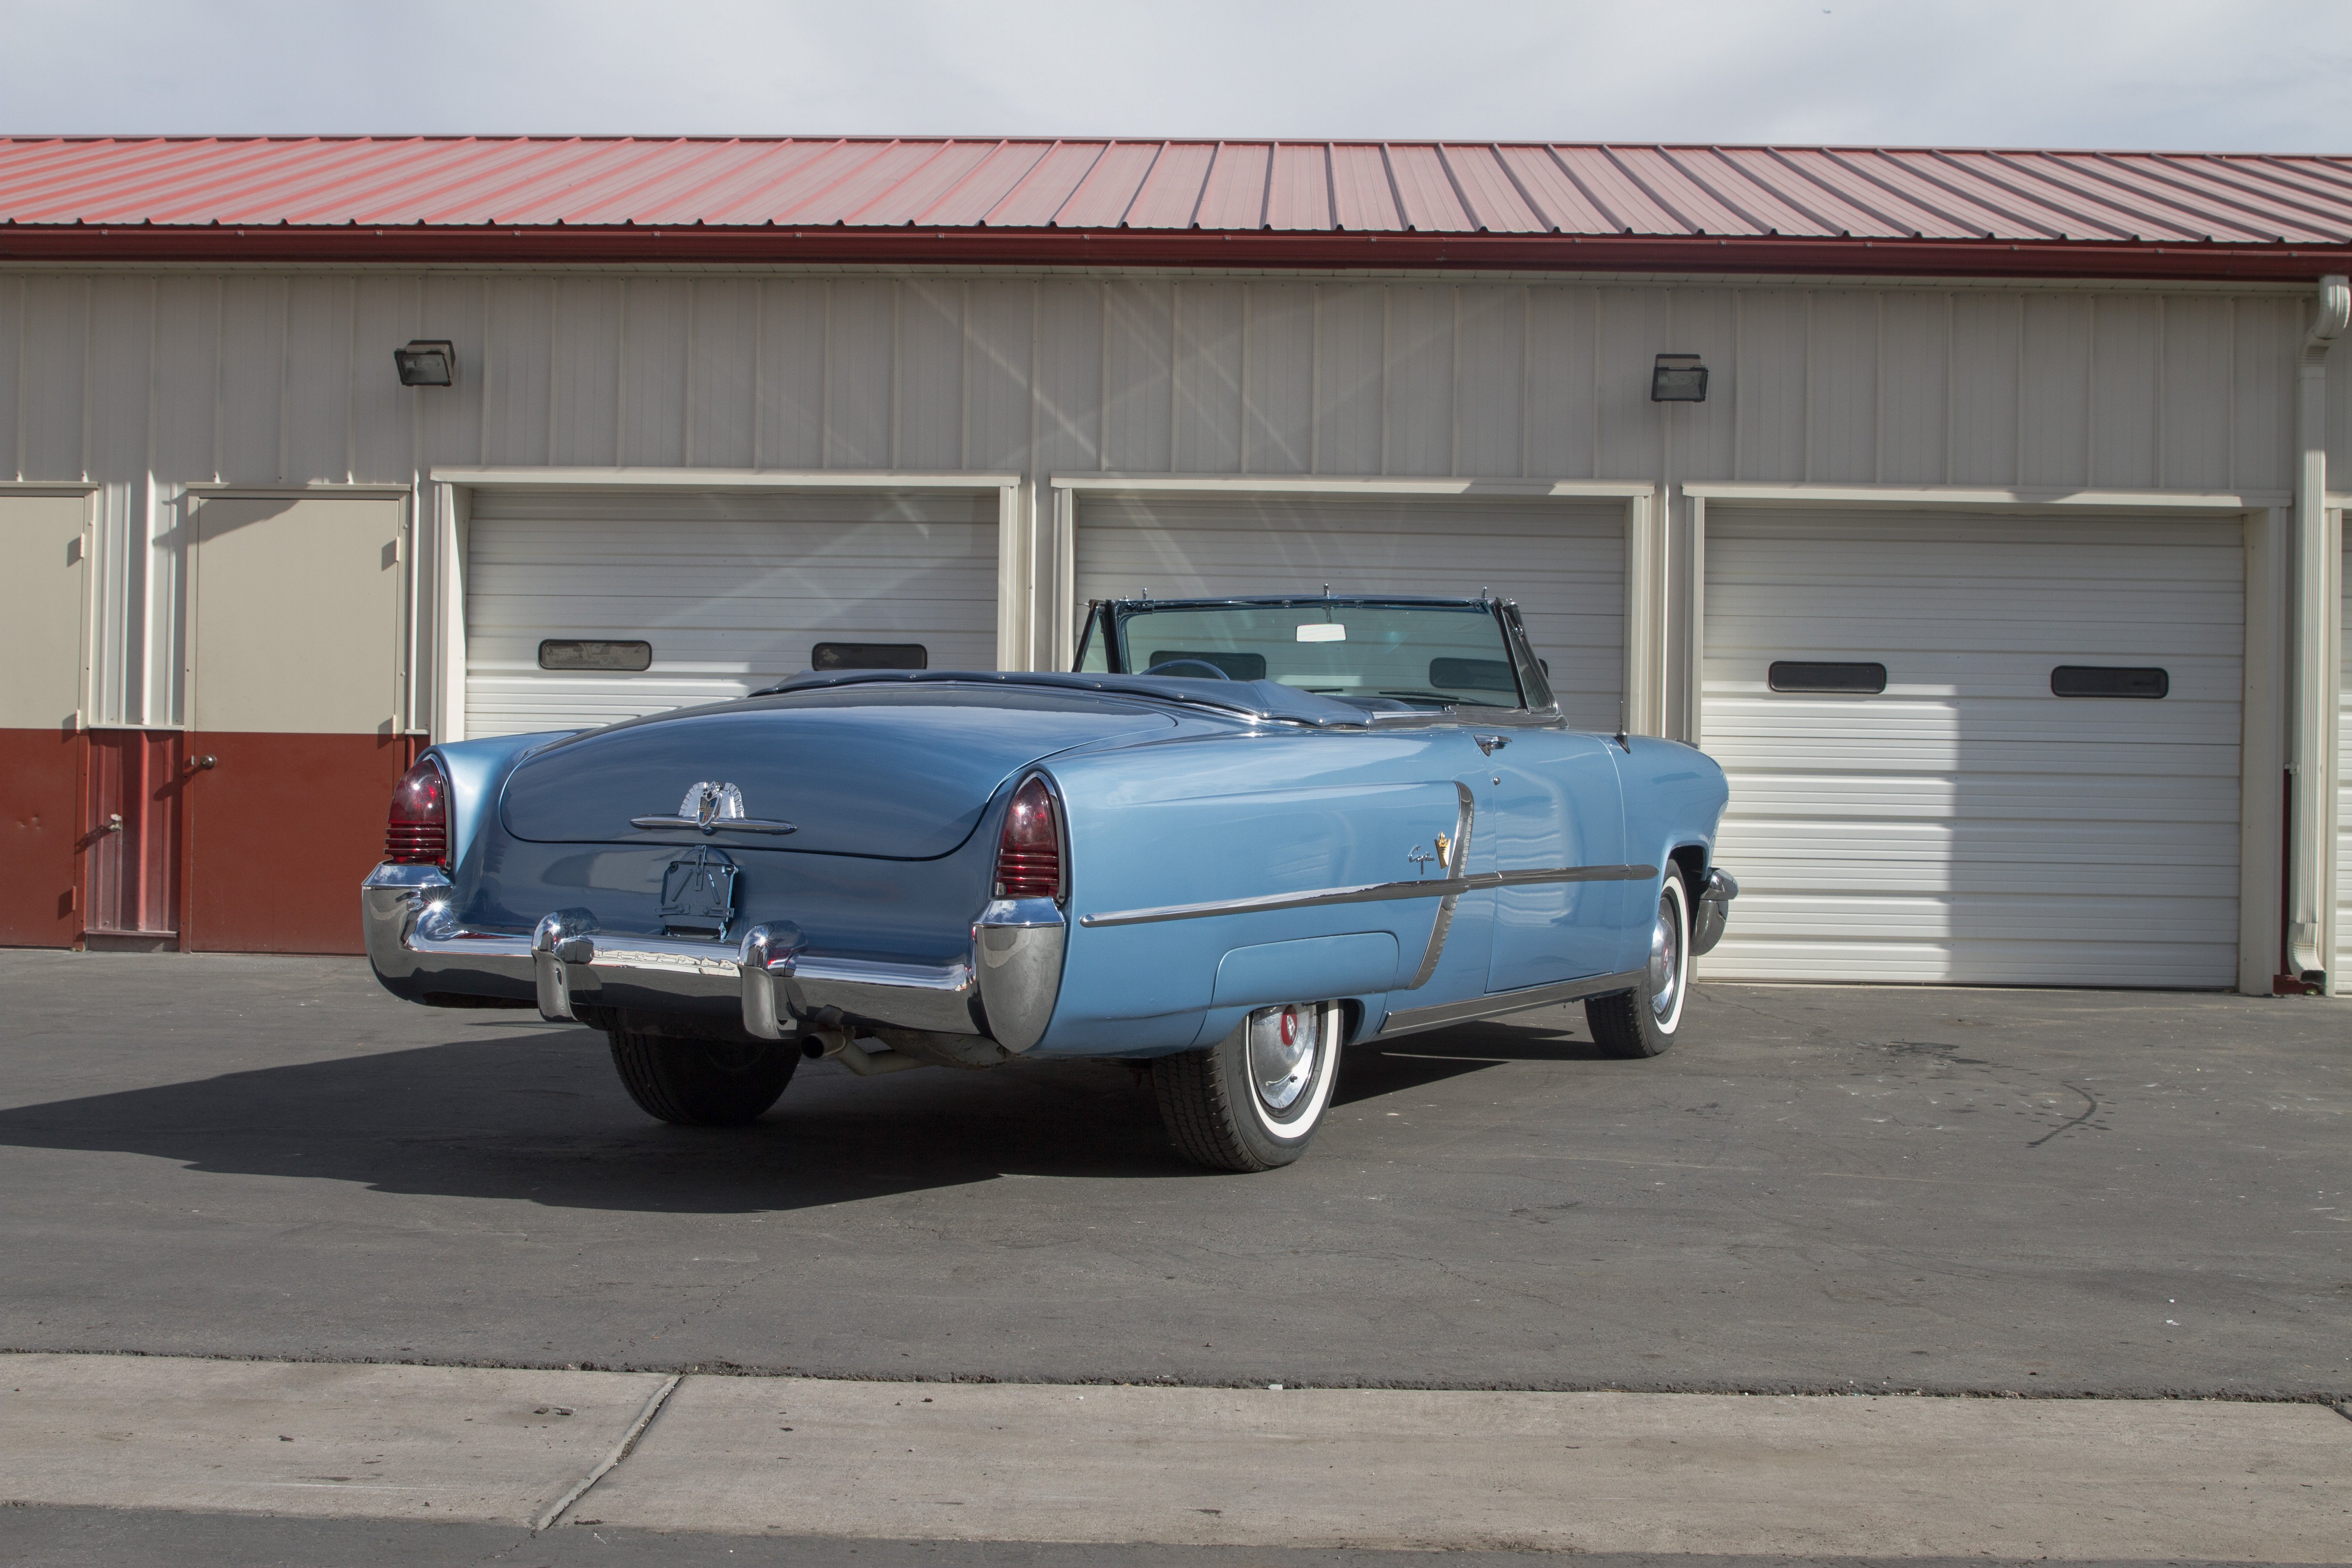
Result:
<point x="2221" y="75"/>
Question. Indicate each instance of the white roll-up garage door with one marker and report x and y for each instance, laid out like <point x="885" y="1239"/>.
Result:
<point x="1564" y="563"/>
<point x="713" y="594"/>
<point x="1967" y="823"/>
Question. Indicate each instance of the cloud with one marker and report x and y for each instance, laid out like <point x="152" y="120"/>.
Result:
<point x="2255" y="75"/>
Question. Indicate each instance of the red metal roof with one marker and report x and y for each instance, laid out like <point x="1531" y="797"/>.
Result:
<point x="1034" y="201"/>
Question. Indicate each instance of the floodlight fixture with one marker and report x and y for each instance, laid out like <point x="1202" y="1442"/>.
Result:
<point x="428" y="361"/>
<point x="1678" y="378"/>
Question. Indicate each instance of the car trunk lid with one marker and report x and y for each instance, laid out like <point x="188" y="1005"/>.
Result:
<point x="903" y="774"/>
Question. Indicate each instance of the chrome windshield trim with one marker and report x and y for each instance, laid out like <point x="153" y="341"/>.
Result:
<point x="1374" y="893"/>
<point x="1497" y="1004"/>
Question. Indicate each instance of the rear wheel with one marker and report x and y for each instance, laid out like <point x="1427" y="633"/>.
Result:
<point x="701" y="1083"/>
<point x="1641" y="1022"/>
<point x="1253" y="1101"/>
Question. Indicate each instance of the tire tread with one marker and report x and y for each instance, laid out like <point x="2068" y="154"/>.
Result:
<point x="669" y="1086"/>
<point x="1199" y="1113"/>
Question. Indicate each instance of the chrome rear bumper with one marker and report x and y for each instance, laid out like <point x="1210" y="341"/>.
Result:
<point x="1006" y="990"/>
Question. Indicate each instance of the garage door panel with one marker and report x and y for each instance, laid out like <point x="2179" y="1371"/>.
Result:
<point x="1938" y="831"/>
<point x="1888" y="917"/>
<point x="732" y="592"/>
<point x="1829" y="796"/>
<point x="2161" y="965"/>
<point x="1853" y="746"/>
<point x="1973" y="734"/>
<point x="1564" y="564"/>
<point x="1926" y="857"/>
<point x="1992" y="673"/>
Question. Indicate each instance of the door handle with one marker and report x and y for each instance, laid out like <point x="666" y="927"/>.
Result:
<point x="193" y="763"/>
<point x="113" y="823"/>
<point x="1490" y="744"/>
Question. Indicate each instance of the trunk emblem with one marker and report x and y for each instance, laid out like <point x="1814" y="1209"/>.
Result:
<point x="708" y="807"/>
<point x="710" y="803"/>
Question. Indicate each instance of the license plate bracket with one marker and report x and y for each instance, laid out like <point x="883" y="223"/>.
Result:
<point x="698" y="893"/>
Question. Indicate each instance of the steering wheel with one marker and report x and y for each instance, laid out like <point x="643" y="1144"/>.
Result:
<point x="1191" y="668"/>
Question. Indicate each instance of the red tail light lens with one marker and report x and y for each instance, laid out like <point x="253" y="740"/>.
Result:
<point x="418" y="831"/>
<point x="1029" y="855"/>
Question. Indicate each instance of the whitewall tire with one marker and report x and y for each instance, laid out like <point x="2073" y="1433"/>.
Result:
<point x="1253" y="1101"/>
<point x="1643" y="1022"/>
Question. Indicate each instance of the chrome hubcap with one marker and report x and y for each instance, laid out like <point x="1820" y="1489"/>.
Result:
<point x="1282" y="1044"/>
<point x="1666" y="960"/>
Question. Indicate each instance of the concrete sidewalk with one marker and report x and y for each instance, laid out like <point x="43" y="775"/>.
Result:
<point x="1871" y="1476"/>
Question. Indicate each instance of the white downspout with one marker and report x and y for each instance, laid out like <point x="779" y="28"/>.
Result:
<point x="2311" y="827"/>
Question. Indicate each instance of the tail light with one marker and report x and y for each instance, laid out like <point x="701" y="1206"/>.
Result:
<point x="418" y="831"/>
<point x="1029" y="854"/>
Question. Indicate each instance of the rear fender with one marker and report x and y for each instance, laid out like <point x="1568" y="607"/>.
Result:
<point x="1138" y="986"/>
<point x="477" y="770"/>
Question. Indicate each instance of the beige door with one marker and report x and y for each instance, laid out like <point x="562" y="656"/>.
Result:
<point x="42" y="638"/>
<point x="295" y="619"/>
<point x="294" y="697"/>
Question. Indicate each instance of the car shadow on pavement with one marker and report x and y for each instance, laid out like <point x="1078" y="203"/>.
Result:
<point x="538" y="1115"/>
<point x="1413" y="1061"/>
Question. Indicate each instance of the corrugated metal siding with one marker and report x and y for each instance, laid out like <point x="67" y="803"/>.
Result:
<point x="732" y="591"/>
<point x="1968" y="824"/>
<point x="284" y="378"/>
<point x="1230" y="186"/>
<point x="1565" y="565"/>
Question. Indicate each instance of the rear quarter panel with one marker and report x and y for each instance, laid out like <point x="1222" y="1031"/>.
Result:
<point x="1237" y="815"/>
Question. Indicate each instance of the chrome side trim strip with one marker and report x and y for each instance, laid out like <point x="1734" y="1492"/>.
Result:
<point x="1463" y="821"/>
<point x="1374" y="893"/>
<point x="719" y="824"/>
<point x="1497" y="1004"/>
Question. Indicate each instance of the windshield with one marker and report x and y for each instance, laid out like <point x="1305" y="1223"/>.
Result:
<point x="1419" y="655"/>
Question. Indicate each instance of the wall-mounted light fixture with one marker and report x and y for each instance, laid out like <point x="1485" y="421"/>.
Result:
<point x="428" y="361"/>
<point x="1678" y="378"/>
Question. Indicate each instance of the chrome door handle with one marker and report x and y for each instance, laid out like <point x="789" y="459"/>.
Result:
<point x="1490" y="744"/>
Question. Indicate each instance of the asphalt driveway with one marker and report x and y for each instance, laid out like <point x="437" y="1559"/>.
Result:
<point x="1820" y="1188"/>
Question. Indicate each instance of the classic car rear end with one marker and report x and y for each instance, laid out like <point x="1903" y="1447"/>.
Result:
<point x="1229" y="879"/>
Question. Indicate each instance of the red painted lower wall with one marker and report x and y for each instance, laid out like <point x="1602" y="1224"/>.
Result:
<point x="40" y="827"/>
<point x="277" y="834"/>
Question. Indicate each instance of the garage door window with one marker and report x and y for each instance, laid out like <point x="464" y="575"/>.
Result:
<point x="869" y="656"/>
<point x="567" y="653"/>
<point x="2108" y="681"/>
<point x="1801" y="675"/>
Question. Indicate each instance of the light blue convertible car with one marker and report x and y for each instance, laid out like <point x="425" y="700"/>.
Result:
<point x="1241" y="834"/>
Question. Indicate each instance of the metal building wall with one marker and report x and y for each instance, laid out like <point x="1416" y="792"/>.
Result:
<point x="143" y="381"/>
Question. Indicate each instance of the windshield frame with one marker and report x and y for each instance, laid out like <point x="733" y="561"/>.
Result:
<point x="1102" y="635"/>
